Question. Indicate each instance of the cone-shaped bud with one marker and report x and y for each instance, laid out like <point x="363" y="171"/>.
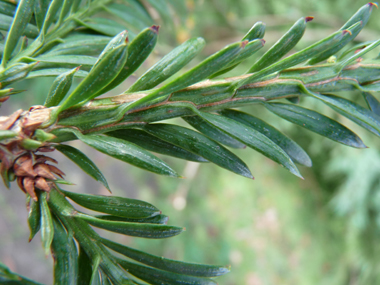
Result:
<point x="43" y="170"/>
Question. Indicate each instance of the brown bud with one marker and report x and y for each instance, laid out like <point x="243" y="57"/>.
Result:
<point x="20" y="183"/>
<point x="24" y="167"/>
<point x="6" y="124"/>
<point x="46" y="149"/>
<point x="44" y="171"/>
<point x="56" y="170"/>
<point x="43" y="159"/>
<point x="28" y="183"/>
<point x="3" y="99"/>
<point x="42" y="184"/>
<point x="33" y="119"/>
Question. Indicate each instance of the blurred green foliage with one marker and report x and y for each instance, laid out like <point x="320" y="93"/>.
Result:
<point x="276" y="229"/>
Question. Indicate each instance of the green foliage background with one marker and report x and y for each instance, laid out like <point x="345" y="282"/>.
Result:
<point x="276" y="229"/>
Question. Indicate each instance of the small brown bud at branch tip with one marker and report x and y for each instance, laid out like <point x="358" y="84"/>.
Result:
<point x="155" y="28"/>
<point x="309" y="18"/>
